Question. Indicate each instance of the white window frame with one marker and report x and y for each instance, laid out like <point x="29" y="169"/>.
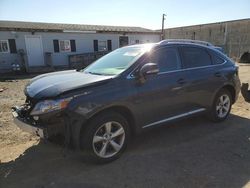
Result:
<point x="105" y="48"/>
<point x="61" y="50"/>
<point x="8" y="46"/>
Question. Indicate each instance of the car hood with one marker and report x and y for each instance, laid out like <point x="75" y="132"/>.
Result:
<point x="53" y="84"/>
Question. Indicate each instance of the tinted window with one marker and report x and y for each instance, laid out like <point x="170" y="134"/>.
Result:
<point x="166" y="58"/>
<point x="195" y="57"/>
<point x="217" y="59"/>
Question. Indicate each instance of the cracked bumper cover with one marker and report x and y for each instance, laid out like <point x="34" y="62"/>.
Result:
<point x="27" y="127"/>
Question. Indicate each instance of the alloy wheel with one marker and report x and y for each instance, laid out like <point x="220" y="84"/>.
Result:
<point x="108" y="139"/>
<point x="223" y="106"/>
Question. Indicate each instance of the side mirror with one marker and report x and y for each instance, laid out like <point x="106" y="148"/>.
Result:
<point x="148" y="69"/>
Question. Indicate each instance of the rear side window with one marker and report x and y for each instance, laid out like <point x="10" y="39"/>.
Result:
<point x="166" y="58"/>
<point x="217" y="60"/>
<point x="195" y="57"/>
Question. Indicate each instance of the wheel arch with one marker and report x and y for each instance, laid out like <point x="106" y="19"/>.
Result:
<point x="229" y="88"/>
<point x="122" y="110"/>
<point x="232" y="90"/>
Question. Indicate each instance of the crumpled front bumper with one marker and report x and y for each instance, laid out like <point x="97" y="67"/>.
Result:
<point x="26" y="126"/>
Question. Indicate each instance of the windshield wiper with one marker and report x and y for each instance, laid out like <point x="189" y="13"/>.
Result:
<point x="95" y="73"/>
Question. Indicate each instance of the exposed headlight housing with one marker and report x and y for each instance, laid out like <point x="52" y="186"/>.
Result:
<point x="46" y="106"/>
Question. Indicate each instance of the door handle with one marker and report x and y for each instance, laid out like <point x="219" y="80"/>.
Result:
<point x="181" y="81"/>
<point x="217" y="74"/>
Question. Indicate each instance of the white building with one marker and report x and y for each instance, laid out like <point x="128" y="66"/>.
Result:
<point x="40" y="45"/>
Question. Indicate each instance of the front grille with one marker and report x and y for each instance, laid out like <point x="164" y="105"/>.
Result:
<point x="24" y="110"/>
<point x="29" y="100"/>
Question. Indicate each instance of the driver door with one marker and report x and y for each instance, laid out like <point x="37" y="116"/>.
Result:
<point x="162" y="96"/>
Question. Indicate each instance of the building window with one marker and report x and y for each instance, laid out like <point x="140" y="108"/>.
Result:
<point x="4" y="46"/>
<point x="102" y="45"/>
<point x="137" y="42"/>
<point x="64" y="46"/>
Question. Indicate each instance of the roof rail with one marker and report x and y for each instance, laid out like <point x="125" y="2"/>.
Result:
<point x="186" y="41"/>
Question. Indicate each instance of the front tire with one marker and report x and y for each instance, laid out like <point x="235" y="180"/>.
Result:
<point x="221" y="106"/>
<point x="105" y="137"/>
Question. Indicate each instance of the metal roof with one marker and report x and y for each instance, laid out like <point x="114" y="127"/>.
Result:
<point x="60" y="27"/>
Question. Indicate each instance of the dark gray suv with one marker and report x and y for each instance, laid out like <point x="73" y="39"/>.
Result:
<point x="99" y="108"/>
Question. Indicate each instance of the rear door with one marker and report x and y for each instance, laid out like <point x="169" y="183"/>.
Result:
<point x="202" y="76"/>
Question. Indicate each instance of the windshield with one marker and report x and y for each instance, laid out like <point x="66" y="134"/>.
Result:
<point x="117" y="61"/>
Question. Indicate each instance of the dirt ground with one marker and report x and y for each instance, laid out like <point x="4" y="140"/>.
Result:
<point x="189" y="153"/>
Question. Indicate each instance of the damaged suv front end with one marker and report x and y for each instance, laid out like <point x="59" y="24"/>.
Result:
<point x="45" y="111"/>
<point x="44" y="118"/>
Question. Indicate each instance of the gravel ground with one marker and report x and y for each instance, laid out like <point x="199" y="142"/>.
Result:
<point x="188" y="153"/>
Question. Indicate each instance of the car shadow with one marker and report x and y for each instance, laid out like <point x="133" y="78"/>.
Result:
<point x="188" y="153"/>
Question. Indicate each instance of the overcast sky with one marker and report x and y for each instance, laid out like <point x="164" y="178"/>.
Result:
<point x="143" y="13"/>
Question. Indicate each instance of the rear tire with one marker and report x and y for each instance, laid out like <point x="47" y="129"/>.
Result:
<point x="221" y="106"/>
<point x="105" y="138"/>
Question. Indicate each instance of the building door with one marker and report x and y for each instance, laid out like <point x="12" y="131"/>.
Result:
<point x="123" y="41"/>
<point x="34" y="50"/>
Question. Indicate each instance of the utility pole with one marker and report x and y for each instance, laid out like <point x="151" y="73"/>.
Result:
<point x="162" y="26"/>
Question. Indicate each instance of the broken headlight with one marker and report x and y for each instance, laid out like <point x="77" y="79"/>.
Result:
<point x="46" y="106"/>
